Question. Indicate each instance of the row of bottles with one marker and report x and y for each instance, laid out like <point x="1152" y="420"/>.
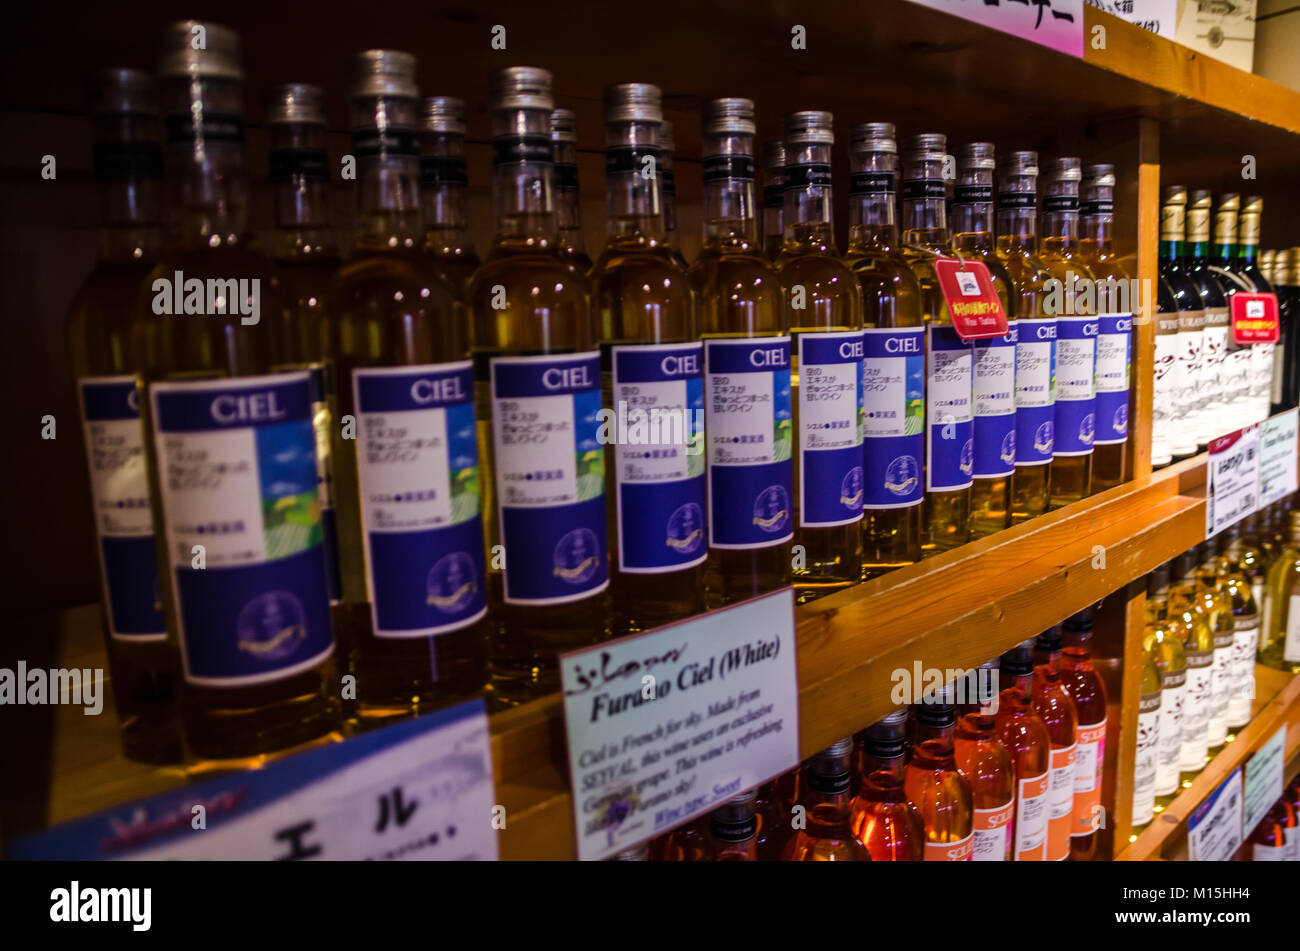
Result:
<point x="1206" y="385"/>
<point x="1277" y="836"/>
<point x="972" y="773"/>
<point x="403" y="452"/>
<point x="1212" y="614"/>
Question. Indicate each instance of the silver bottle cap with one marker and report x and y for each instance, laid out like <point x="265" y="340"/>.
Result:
<point x="520" y="87"/>
<point x="976" y="155"/>
<point x="667" y="138"/>
<point x="633" y="102"/>
<point x="295" y="103"/>
<point x="809" y="127"/>
<point x="927" y="147"/>
<point x="444" y="114"/>
<point x="564" y="125"/>
<point x="387" y="73"/>
<point x="199" y="48"/>
<point x="1068" y="169"/>
<point x="729" y="117"/>
<point x="1020" y="163"/>
<point x="123" y="91"/>
<point x="873" y="137"/>
<point x="774" y="156"/>
<point x="1100" y="176"/>
<point x="837" y="749"/>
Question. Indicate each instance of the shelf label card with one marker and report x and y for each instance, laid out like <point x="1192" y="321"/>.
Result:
<point x="1277" y="456"/>
<point x="976" y="309"/>
<point x="1254" y="318"/>
<point x="1058" y="25"/>
<point x="420" y="789"/>
<point x="1233" y="479"/>
<point x="1214" y="829"/>
<point x="668" y="725"/>
<point x="1264" y="780"/>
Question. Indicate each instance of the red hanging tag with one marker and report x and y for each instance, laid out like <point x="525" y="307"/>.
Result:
<point x="1254" y="318"/>
<point x="967" y="288"/>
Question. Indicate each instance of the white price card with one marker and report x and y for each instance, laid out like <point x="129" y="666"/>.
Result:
<point x="667" y="725"/>
<point x="1277" y="456"/>
<point x="421" y="789"/>
<point x="1214" y="829"/>
<point x="1233" y="477"/>
<point x="1264" y="779"/>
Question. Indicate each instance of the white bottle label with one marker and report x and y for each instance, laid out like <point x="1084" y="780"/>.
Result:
<point x="1031" y="818"/>
<point x="1144" y="761"/>
<point x="1245" y="641"/>
<point x="1216" y="729"/>
<point x="1168" y="374"/>
<point x="1187" y="399"/>
<point x="1173" y="694"/>
<point x="1196" y="710"/>
<point x="1291" y="649"/>
<point x="1268" y="853"/>
<point x="1214" y="352"/>
<point x="1261" y="380"/>
<point x="993" y="834"/>
<point x="1060" y="783"/>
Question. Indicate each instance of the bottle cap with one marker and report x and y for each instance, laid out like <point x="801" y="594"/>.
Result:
<point x="1186" y="563"/>
<point x="937" y="707"/>
<point x="1099" y="176"/>
<point x="1049" y="640"/>
<point x="888" y="735"/>
<point x="123" y="91"/>
<point x="1159" y="578"/>
<point x="386" y="73"/>
<point x="564" y="125"/>
<point x="1229" y="202"/>
<point x="1019" y="660"/>
<point x="1020" y="164"/>
<point x="1173" y="195"/>
<point x="926" y="147"/>
<point x="633" y="102"/>
<point x="976" y="155"/>
<point x="295" y="104"/>
<point x="1080" y="623"/>
<point x="732" y="116"/>
<point x="445" y="114"/>
<point x="734" y="820"/>
<point x="809" y="128"/>
<point x="1066" y="169"/>
<point x="520" y="87"/>
<point x="873" y="137"/>
<point x="1202" y="198"/>
<point x="774" y="158"/>
<point x="201" y="49"/>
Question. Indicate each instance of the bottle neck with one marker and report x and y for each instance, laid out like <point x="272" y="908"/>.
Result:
<point x="208" y="179"/>
<point x="668" y="193"/>
<point x="633" y="193"/>
<point x="128" y="171"/>
<point x="1247" y="253"/>
<point x="1171" y="250"/>
<point x="925" y="205"/>
<point x="444" y="184"/>
<point x="386" y="147"/>
<point x="973" y="210"/>
<point x="872" y="202"/>
<point x="1197" y="251"/>
<point x="1061" y="217"/>
<point x="1097" y="219"/>
<point x="523" y="169"/>
<point x="568" y="198"/>
<point x="729" y="216"/>
<point x="938" y="739"/>
<point x="299" y="174"/>
<point x="807" y="199"/>
<point x="1018" y="213"/>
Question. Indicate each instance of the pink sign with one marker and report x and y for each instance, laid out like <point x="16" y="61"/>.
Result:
<point x="1057" y="24"/>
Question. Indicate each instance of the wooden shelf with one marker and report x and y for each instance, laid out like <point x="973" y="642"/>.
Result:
<point x="1277" y="703"/>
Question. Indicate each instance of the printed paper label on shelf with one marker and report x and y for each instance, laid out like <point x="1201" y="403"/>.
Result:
<point x="1114" y="349"/>
<point x="993" y="834"/>
<point x="973" y="302"/>
<point x="417" y="790"/>
<point x="1035" y="391"/>
<point x="1232" y="479"/>
<point x="1254" y="318"/>
<point x="1058" y="25"/>
<point x="1031" y="818"/>
<point x="244" y="539"/>
<point x="893" y="425"/>
<point x="658" y="392"/>
<point x="948" y="391"/>
<point x="830" y="428"/>
<point x="1269" y="853"/>
<point x="994" y="389"/>
<point x="1265" y="779"/>
<point x="119" y="487"/>
<point x="418" y="478"/>
<point x="1060" y="801"/>
<point x="550" y="476"/>
<point x="1214" y="829"/>
<point x="1089" y="761"/>
<point x="961" y="851"/>
<point x="748" y="429"/>
<point x="1277" y="456"/>
<point x="1155" y="16"/>
<point x="664" y="726"/>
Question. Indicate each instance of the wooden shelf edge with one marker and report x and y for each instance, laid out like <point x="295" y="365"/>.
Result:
<point x="1282" y="706"/>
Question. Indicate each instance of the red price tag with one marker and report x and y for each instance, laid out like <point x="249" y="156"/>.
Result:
<point x="1254" y="318"/>
<point x="967" y="288"/>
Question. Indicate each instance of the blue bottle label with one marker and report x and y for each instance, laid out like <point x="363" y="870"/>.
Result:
<point x="893" y="425"/>
<point x="119" y="487"/>
<point x="550" y="476"/>
<point x="1035" y="391"/>
<point x="1114" y="343"/>
<point x="750" y="463"/>
<point x="948" y="391"/>
<point x="237" y="465"/>
<point x="417" y="475"/>
<point x="994" y="384"/>
<point x="321" y="423"/>
<point x="658" y="435"/>
<point x="830" y="428"/>
<point x="1076" y="388"/>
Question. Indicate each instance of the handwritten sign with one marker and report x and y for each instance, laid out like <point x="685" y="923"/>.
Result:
<point x="667" y="725"/>
<point x="1214" y="829"/>
<point x="1057" y="24"/>
<point x="1264" y="779"/>
<point x="421" y="789"/>
<point x="1233" y="479"/>
<point x="967" y="288"/>
<point x="1277" y="456"/>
